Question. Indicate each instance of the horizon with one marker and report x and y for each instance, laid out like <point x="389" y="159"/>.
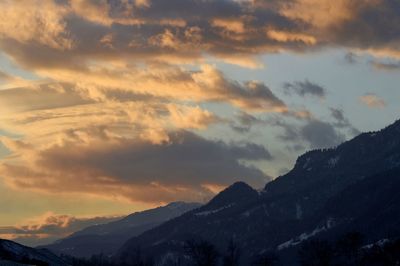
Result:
<point x="112" y="107"/>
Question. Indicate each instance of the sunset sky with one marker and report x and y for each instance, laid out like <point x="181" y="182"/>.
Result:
<point x="113" y="106"/>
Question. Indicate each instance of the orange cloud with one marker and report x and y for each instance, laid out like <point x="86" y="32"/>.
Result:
<point x="320" y="13"/>
<point x="234" y="25"/>
<point x="207" y="84"/>
<point x="282" y="36"/>
<point x="130" y="78"/>
<point x="74" y="31"/>
<point x="373" y="101"/>
<point x="40" y="21"/>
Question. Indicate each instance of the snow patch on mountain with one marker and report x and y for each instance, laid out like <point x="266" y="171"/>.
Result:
<point x="304" y="236"/>
<point x="299" y="212"/>
<point x="206" y="213"/>
<point x="379" y="243"/>
<point x="305" y="165"/>
<point x="332" y="162"/>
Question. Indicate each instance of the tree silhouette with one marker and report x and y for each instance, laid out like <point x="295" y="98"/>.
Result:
<point x="232" y="254"/>
<point x="135" y="258"/>
<point x="201" y="252"/>
<point x="348" y="248"/>
<point x="316" y="253"/>
<point x="267" y="259"/>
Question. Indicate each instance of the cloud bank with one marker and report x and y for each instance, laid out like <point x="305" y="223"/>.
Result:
<point x="120" y="95"/>
<point x="49" y="227"/>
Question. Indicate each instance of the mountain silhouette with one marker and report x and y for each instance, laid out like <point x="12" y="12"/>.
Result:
<point x="12" y="253"/>
<point x="353" y="186"/>
<point x="108" y="238"/>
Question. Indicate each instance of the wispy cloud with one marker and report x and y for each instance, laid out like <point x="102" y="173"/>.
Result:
<point x="388" y="66"/>
<point x="373" y="101"/>
<point x="305" y="88"/>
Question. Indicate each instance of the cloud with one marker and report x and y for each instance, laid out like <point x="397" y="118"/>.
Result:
<point x="284" y="37"/>
<point x="388" y="66"/>
<point x="71" y="34"/>
<point x="49" y="227"/>
<point x="305" y="88"/>
<point x="373" y="101"/>
<point x="39" y="21"/>
<point x="40" y="97"/>
<point x="341" y="121"/>
<point x="321" y="14"/>
<point x="351" y="58"/>
<point x="311" y="132"/>
<point x="119" y="77"/>
<point x="157" y="81"/>
<point x="181" y="167"/>
<point x="5" y="77"/>
<point x="363" y="25"/>
<point x="321" y="135"/>
<point x="81" y="30"/>
<point x="243" y="122"/>
<point x="73" y="130"/>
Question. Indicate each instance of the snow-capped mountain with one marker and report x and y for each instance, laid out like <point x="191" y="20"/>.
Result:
<point x="350" y="187"/>
<point x="107" y="238"/>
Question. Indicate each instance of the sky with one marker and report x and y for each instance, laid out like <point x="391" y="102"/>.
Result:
<point x="111" y="107"/>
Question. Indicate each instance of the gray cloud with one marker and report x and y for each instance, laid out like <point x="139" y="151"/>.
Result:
<point x="373" y="25"/>
<point x="178" y="169"/>
<point x="351" y="58"/>
<point x="321" y="135"/>
<point x="310" y="133"/>
<point x="341" y="121"/>
<point x="304" y="88"/>
<point x="186" y="159"/>
<point x="243" y="122"/>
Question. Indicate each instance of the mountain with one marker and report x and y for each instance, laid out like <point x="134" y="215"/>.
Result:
<point x="12" y="253"/>
<point x="350" y="187"/>
<point x="370" y="206"/>
<point x="107" y="238"/>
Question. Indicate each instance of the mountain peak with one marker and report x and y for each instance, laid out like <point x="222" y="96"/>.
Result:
<point x="328" y="192"/>
<point x="232" y="194"/>
<point x="333" y="169"/>
<point x="238" y="188"/>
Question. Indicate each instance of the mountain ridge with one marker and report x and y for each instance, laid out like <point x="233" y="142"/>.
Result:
<point x="285" y="209"/>
<point x="13" y="252"/>
<point x="107" y="238"/>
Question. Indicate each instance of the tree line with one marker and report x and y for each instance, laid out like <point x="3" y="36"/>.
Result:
<point x="348" y="250"/>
